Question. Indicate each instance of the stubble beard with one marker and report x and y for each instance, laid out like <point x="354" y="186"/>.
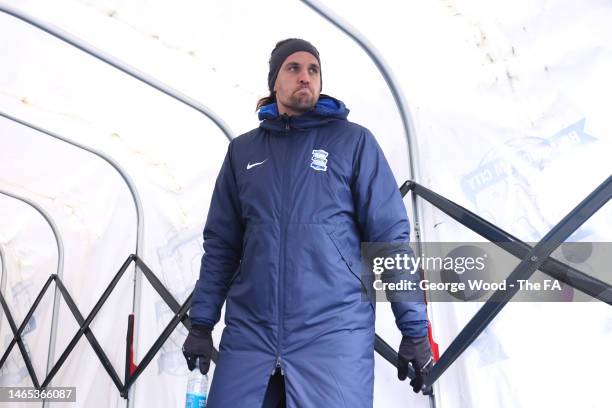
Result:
<point x="301" y="103"/>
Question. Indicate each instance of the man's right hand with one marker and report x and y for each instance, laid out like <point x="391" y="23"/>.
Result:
<point x="198" y="345"/>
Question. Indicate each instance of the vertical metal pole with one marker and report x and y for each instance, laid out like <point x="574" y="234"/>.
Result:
<point x="60" y="272"/>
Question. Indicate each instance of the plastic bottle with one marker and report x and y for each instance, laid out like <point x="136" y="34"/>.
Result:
<point x="197" y="388"/>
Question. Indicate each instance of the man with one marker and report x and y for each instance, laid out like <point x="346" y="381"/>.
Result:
<point x="292" y="202"/>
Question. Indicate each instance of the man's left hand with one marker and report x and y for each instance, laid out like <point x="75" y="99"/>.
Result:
<point x="416" y="351"/>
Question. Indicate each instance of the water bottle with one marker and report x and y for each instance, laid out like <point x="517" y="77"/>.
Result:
<point x="197" y="388"/>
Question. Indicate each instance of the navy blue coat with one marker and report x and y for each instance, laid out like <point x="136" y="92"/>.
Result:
<point x="292" y="202"/>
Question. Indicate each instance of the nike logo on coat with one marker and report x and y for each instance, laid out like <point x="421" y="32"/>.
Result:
<point x="250" y="166"/>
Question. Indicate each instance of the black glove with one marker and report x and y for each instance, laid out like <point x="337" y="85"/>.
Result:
<point x="416" y="351"/>
<point x="198" y="345"/>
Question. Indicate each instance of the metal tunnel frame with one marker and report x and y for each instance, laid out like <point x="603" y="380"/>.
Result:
<point x="532" y="258"/>
<point x="140" y="76"/>
<point x="511" y="244"/>
<point x="132" y="371"/>
<point x="120" y="65"/>
<point x="133" y="191"/>
<point x="60" y="272"/>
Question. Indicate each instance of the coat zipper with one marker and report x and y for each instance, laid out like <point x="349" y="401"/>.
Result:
<point x="281" y="263"/>
<point x="278" y="366"/>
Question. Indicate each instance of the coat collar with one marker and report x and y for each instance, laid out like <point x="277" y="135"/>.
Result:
<point x="327" y="109"/>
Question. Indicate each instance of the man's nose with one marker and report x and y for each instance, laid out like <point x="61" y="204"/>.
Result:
<point x="304" y="78"/>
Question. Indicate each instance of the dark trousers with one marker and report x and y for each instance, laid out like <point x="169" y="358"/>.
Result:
<point x="275" y="394"/>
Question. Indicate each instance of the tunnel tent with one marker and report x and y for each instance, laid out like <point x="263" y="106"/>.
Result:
<point x="507" y="102"/>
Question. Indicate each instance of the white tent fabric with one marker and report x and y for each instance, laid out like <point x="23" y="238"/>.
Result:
<point x="509" y="101"/>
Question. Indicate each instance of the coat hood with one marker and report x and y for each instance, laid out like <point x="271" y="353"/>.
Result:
<point x="327" y="109"/>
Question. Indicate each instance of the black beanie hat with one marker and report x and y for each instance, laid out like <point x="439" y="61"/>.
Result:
<point x="284" y="49"/>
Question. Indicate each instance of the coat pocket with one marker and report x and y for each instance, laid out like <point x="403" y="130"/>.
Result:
<point x="237" y="276"/>
<point x="352" y="266"/>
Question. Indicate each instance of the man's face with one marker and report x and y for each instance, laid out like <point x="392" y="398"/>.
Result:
<point x="298" y="83"/>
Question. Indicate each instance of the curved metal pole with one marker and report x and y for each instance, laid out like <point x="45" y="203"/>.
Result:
<point x="385" y="71"/>
<point x="133" y="192"/>
<point x="398" y="97"/>
<point x="141" y="76"/>
<point x="60" y="271"/>
<point x="120" y="65"/>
